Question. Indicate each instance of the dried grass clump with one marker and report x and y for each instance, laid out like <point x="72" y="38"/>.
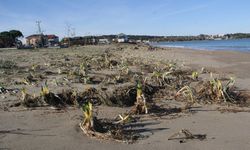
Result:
<point x="28" y="100"/>
<point x="211" y="92"/>
<point x="214" y="91"/>
<point x="47" y="98"/>
<point x="104" y="129"/>
<point x="187" y="92"/>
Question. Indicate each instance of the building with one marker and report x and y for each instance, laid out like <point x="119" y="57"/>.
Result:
<point x="122" y="38"/>
<point x="86" y="40"/>
<point x="53" y="40"/>
<point x="103" y="41"/>
<point x="36" y="40"/>
<point x="41" y="40"/>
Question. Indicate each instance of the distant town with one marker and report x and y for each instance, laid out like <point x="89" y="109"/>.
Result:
<point x="11" y="38"/>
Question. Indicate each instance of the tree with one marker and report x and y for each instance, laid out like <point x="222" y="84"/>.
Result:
<point x="10" y="38"/>
<point x="5" y="34"/>
<point x="15" y="34"/>
<point x="5" y="39"/>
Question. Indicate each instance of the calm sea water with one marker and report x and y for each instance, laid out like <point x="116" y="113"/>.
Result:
<point x="235" y="45"/>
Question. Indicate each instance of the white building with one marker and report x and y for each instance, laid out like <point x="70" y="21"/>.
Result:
<point x="103" y="41"/>
<point x="122" y="38"/>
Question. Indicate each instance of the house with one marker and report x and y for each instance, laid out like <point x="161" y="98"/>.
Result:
<point x="53" y="40"/>
<point x="103" y="41"/>
<point x="122" y="38"/>
<point x="41" y="40"/>
<point x="36" y="40"/>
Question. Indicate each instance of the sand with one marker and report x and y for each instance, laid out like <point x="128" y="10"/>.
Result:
<point x="48" y="129"/>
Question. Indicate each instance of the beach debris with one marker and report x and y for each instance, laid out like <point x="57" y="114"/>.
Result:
<point x="184" y="134"/>
<point x="172" y="66"/>
<point x="92" y="95"/>
<point x="203" y="70"/>
<point x="104" y="129"/>
<point x="28" y="100"/>
<point x="217" y="92"/>
<point x="47" y="98"/>
<point x="161" y="77"/>
<point x="82" y="70"/>
<point x="4" y="90"/>
<point x="66" y="98"/>
<point x="158" y="76"/>
<point x="112" y="80"/>
<point x="195" y="75"/>
<point x="187" y="92"/>
<point x="126" y="118"/>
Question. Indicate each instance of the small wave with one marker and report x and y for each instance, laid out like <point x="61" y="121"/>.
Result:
<point x="239" y="45"/>
<point x="174" y="46"/>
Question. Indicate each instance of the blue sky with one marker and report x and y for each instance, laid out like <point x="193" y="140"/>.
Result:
<point x="152" y="17"/>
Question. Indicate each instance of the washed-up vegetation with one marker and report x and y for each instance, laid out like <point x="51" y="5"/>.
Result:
<point x="111" y="79"/>
<point x="7" y="64"/>
<point x="183" y="135"/>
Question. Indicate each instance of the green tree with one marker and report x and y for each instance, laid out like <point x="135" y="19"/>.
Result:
<point x="5" y="34"/>
<point x="15" y="34"/>
<point x="10" y="38"/>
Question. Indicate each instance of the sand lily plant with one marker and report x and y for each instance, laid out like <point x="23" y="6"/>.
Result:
<point x="187" y="92"/>
<point x="195" y="75"/>
<point x="88" y="122"/>
<point x="140" y="105"/>
<point x="222" y="92"/>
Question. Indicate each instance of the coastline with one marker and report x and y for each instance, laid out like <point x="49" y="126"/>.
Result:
<point x="241" y="45"/>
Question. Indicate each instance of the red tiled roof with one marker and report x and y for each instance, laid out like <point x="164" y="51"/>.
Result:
<point x="52" y="36"/>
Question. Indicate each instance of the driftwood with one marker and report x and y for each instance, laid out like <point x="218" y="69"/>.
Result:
<point x="185" y="134"/>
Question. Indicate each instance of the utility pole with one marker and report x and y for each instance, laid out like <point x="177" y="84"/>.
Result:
<point x="39" y="30"/>
<point x="73" y="33"/>
<point x="68" y="32"/>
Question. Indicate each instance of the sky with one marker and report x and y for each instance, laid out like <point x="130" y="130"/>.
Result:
<point x="141" y="17"/>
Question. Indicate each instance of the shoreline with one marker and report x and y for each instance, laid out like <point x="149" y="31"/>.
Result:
<point x="199" y="49"/>
<point x="211" y="45"/>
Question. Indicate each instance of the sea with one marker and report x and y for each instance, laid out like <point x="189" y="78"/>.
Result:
<point x="231" y="45"/>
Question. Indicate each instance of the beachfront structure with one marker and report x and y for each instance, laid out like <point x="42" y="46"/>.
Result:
<point x="36" y="40"/>
<point x="122" y="38"/>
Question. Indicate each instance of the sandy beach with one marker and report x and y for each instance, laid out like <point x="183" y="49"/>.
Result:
<point x="45" y="128"/>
